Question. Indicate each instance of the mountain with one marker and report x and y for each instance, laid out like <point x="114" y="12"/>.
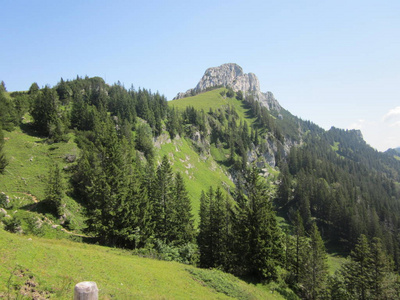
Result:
<point x="232" y="76"/>
<point x="202" y="179"/>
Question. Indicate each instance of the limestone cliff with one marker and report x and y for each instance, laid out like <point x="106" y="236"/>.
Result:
<point x="232" y="75"/>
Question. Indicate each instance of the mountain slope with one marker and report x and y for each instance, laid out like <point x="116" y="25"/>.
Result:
<point x="40" y="267"/>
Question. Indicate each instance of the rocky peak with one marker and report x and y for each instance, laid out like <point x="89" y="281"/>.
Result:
<point x="232" y="75"/>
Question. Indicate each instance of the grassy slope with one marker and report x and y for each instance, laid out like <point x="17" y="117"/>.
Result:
<point x="57" y="265"/>
<point x="30" y="158"/>
<point x="214" y="100"/>
<point x="199" y="173"/>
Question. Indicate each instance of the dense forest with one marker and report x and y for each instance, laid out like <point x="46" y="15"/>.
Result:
<point x="332" y="190"/>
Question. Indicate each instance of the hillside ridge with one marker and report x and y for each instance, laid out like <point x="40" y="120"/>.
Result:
<point x="231" y="75"/>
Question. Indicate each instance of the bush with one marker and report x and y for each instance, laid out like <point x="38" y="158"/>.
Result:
<point x="4" y="201"/>
<point x="12" y="225"/>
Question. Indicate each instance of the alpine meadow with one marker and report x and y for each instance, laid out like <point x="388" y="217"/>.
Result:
<point x="220" y="193"/>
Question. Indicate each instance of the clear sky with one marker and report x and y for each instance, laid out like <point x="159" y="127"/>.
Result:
<point x="336" y="63"/>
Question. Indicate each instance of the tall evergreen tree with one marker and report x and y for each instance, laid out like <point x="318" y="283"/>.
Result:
<point x="55" y="189"/>
<point x="259" y="233"/>
<point x="162" y="206"/>
<point x="3" y="159"/>
<point x="8" y="113"/>
<point x="103" y="179"/>
<point x="47" y="117"/>
<point x="315" y="278"/>
<point x="357" y="271"/>
<point x="182" y="227"/>
<point x="204" y="239"/>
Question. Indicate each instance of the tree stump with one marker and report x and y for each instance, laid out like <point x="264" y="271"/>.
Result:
<point x="86" y="290"/>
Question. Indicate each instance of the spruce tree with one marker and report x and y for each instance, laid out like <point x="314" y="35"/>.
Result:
<point x="315" y="278"/>
<point x="357" y="272"/>
<point x="162" y="205"/>
<point x="55" y="189"/>
<point x="380" y="271"/>
<point x="204" y="239"/>
<point x="182" y="228"/>
<point x="258" y="229"/>
<point x="8" y="113"/>
<point x="3" y="159"/>
<point x="219" y="224"/>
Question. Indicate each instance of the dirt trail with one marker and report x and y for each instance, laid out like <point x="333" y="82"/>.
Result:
<point x="33" y="197"/>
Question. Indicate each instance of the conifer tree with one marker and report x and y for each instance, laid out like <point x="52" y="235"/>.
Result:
<point x="357" y="272"/>
<point x="8" y="114"/>
<point x="47" y="118"/>
<point x="162" y="205"/>
<point x="182" y="228"/>
<point x="55" y="189"/>
<point x="204" y="239"/>
<point x="259" y="234"/>
<point x="219" y="229"/>
<point x="380" y="268"/>
<point x="3" y="159"/>
<point x="103" y="177"/>
<point x="315" y="278"/>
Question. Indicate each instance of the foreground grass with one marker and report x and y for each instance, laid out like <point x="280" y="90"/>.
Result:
<point x="53" y="267"/>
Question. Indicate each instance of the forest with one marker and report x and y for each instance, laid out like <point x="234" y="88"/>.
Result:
<point x="332" y="191"/>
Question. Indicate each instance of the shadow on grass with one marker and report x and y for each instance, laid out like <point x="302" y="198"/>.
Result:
<point x="28" y="129"/>
<point x="43" y="207"/>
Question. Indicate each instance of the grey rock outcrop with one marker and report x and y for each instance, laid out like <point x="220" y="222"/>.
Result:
<point x="232" y="75"/>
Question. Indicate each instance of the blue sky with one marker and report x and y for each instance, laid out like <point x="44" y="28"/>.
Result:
<point x="336" y="63"/>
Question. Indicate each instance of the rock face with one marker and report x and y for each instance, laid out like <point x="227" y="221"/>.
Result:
<point x="232" y="75"/>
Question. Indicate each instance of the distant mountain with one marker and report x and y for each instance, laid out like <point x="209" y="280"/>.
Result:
<point x="232" y="76"/>
<point x="393" y="151"/>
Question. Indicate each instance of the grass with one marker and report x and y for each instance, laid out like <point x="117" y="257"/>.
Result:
<point x="30" y="158"/>
<point x="205" y="101"/>
<point x="199" y="172"/>
<point x="214" y="100"/>
<point x="335" y="146"/>
<point x="25" y="178"/>
<point x="335" y="262"/>
<point x="53" y="267"/>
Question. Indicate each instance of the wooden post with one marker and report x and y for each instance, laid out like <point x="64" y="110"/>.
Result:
<point x="86" y="290"/>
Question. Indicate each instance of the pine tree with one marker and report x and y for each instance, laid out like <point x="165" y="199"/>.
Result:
<point x="8" y="113"/>
<point x="204" y="239"/>
<point x="182" y="228"/>
<point x="103" y="177"/>
<point x="258" y="233"/>
<point x="315" y="278"/>
<point x="380" y="268"/>
<point x="55" y="189"/>
<point x="219" y="230"/>
<point x="357" y="272"/>
<point x="47" y="117"/>
<point x="3" y="159"/>
<point x="299" y="247"/>
<point x="162" y="205"/>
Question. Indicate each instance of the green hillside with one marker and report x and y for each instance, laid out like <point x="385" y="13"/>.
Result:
<point x="89" y="162"/>
<point x="52" y="267"/>
<point x="214" y="100"/>
<point x="199" y="172"/>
